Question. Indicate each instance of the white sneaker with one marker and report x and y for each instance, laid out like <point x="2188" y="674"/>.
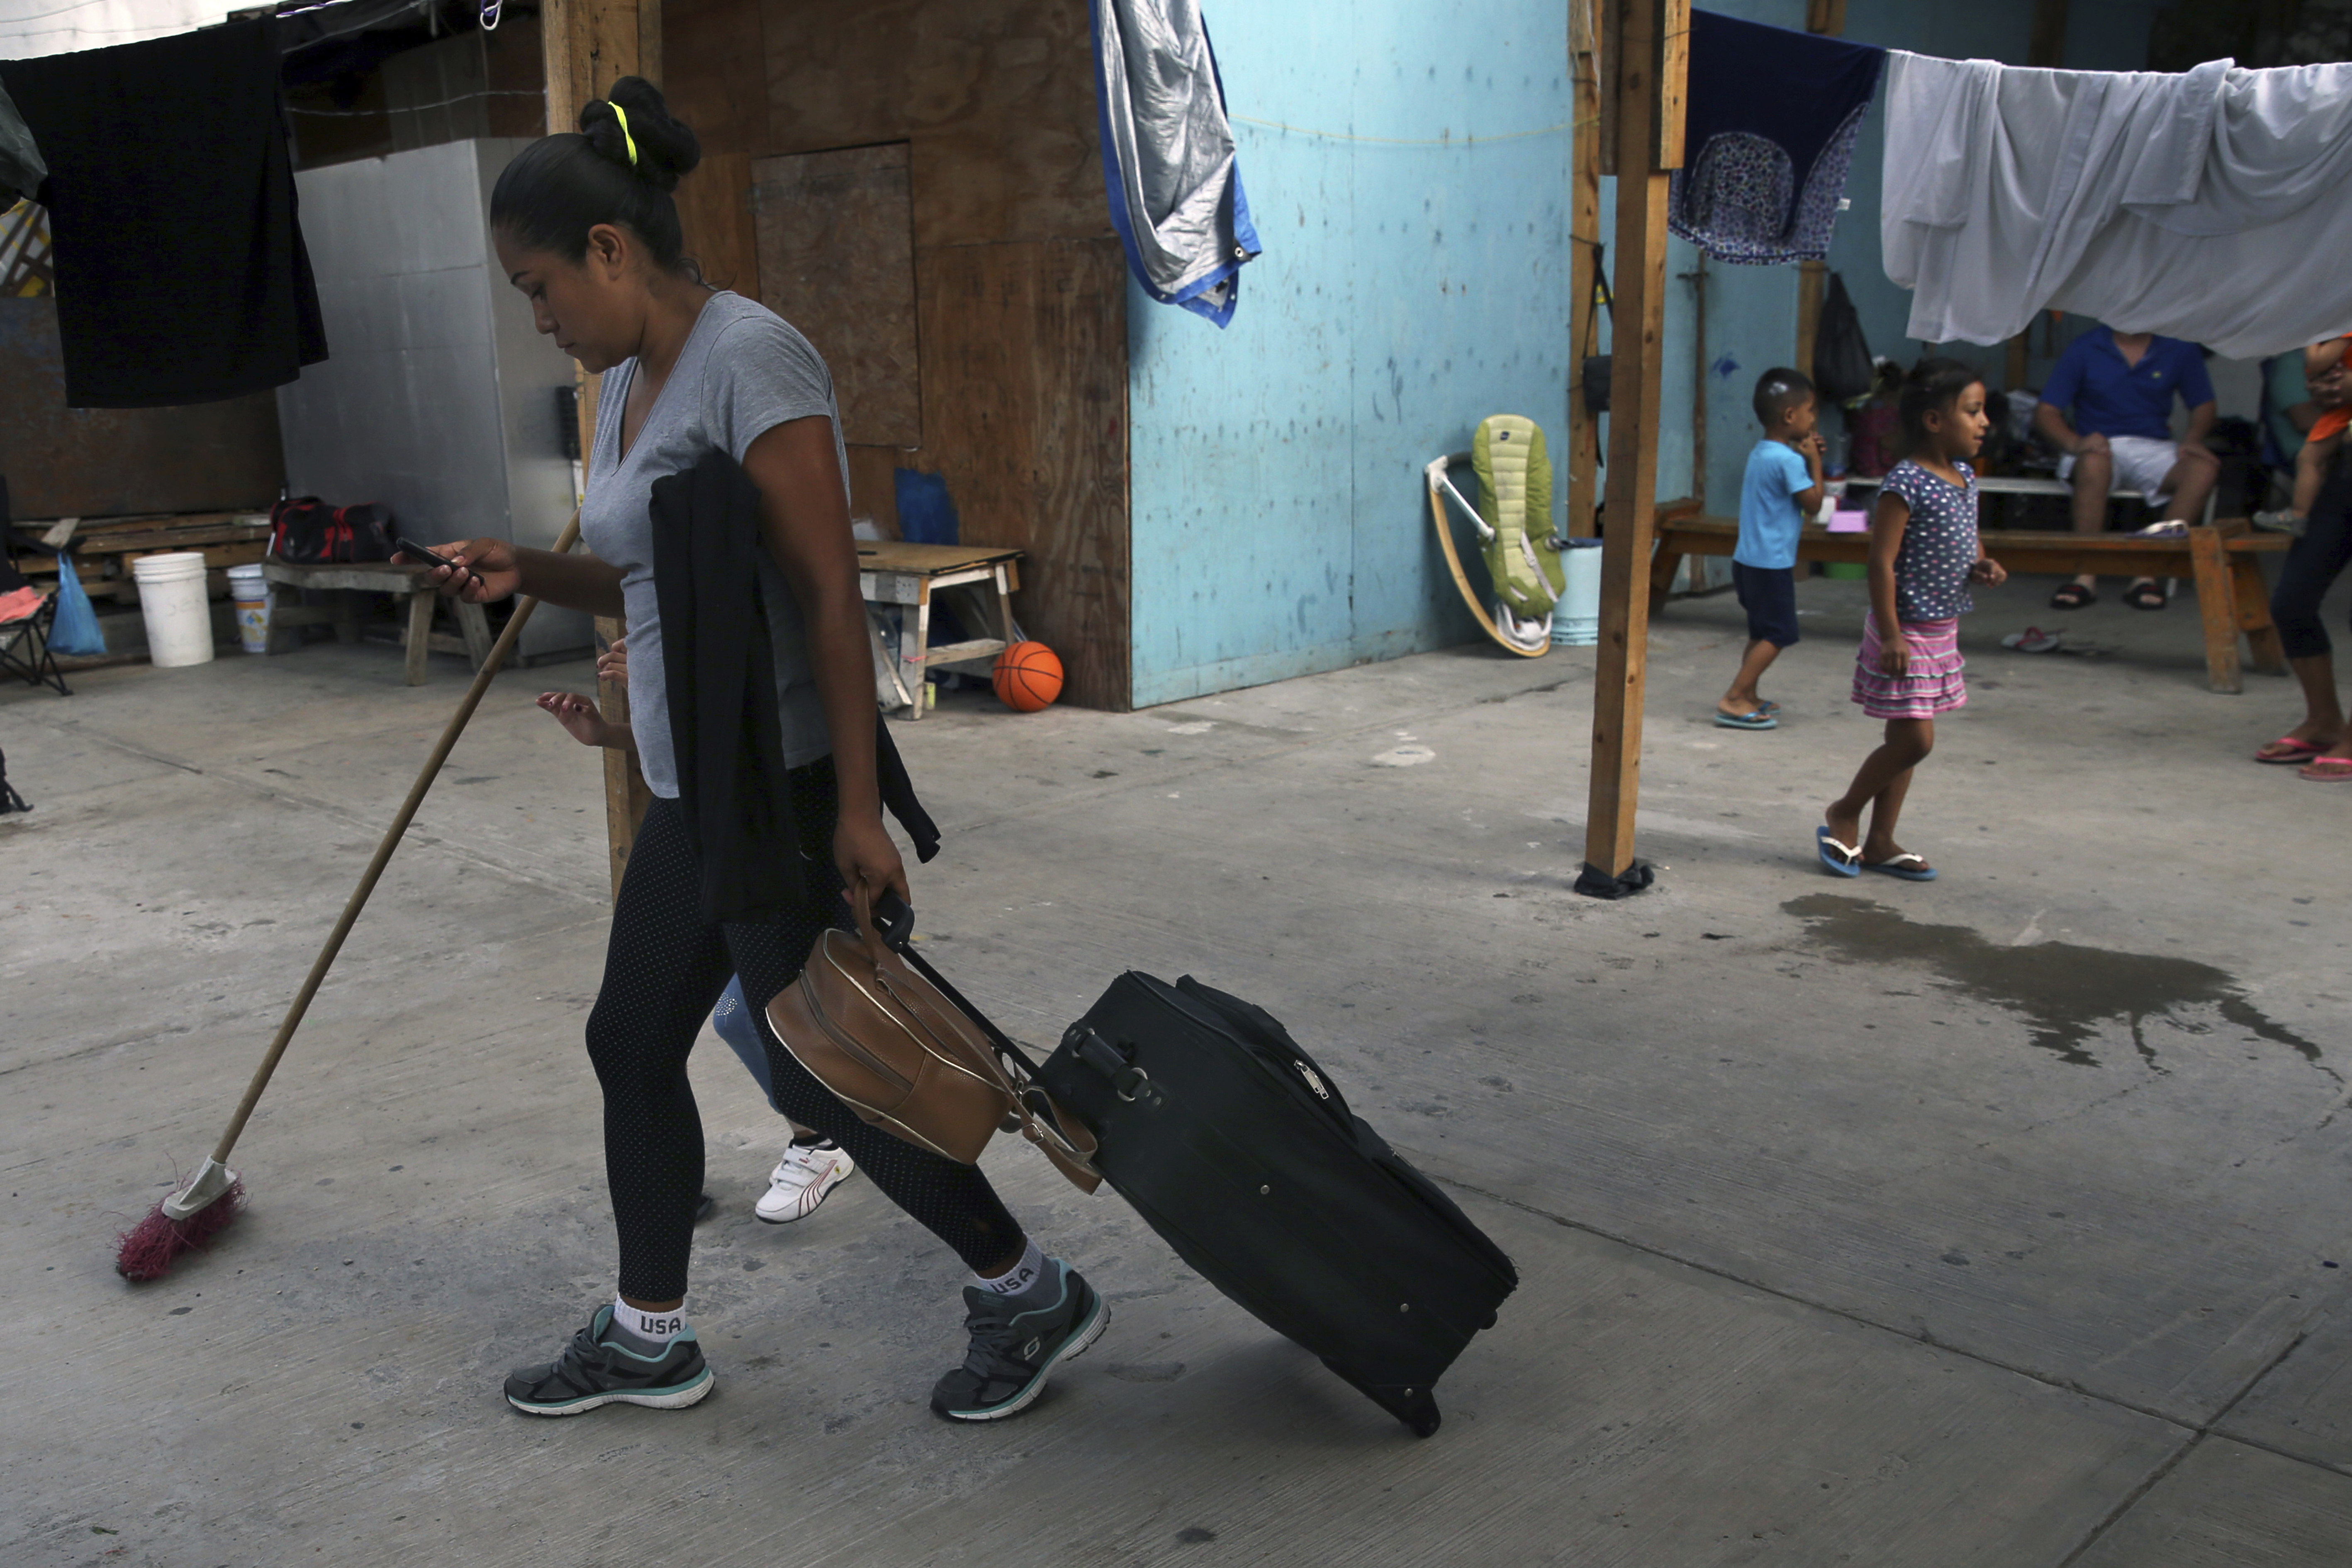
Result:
<point x="801" y="1180"/>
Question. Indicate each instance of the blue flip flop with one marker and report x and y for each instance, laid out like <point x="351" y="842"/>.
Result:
<point x="1919" y="871"/>
<point x="1838" y="859"/>
<point x="1768" y="708"/>
<point x="1759" y="720"/>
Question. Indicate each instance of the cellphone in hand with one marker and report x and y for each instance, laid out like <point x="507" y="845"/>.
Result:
<point x="410" y="547"/>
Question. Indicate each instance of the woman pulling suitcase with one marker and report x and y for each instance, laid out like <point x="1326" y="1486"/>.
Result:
<point x="585" y="226"/>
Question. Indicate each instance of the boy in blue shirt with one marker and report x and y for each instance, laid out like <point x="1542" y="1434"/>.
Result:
<point x="1782" y="488"/>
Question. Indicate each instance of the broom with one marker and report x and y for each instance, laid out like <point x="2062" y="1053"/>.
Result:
<point x="201" y="1208"/>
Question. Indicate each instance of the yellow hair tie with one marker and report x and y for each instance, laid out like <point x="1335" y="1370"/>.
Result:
<point x="622" y="116"/>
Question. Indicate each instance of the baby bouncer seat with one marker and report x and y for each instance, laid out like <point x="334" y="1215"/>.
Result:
<point x="1512" y="518"/>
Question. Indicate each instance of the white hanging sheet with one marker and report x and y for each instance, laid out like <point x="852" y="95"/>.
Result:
<point x="2214" y="206"/>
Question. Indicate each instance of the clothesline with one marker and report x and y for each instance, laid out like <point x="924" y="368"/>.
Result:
<point x="1407" y="140"/>
<point x="418" y="108"/>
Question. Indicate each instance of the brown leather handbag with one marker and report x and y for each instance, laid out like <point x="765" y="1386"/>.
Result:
<point x="897" y="1044"/>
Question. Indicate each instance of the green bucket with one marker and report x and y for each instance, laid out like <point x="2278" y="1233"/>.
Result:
<point x="1845" y="571"/>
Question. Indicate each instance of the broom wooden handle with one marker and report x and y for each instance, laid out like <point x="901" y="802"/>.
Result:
<point x="392" y="837"/>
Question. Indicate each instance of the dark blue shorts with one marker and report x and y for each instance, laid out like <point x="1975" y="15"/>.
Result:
<point x="1769" y="594"/>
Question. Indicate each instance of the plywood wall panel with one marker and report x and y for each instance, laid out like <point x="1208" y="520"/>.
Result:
<point x="1020" y="290"/>
<point x="119" y="462"/>
<point x="1024" y="395"/>
<point x="715" y="76"/>
<point x="997" y="98"/>
<point x="873" y="485"/>
<point x="714" y="209"/>
<point x="837" y="260"/>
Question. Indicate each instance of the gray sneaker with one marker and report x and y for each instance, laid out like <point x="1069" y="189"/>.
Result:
<point x="1014" y="1349"/>
<point x="593" y="1371"/>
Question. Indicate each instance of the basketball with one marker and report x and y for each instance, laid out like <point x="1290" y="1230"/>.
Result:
<point x="1028" y="677"/>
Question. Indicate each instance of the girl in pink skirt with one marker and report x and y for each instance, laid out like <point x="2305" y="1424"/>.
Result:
<point x="1924" y="554"/>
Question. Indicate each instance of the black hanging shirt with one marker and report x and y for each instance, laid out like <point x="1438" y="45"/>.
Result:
<point x="180" y="267"/>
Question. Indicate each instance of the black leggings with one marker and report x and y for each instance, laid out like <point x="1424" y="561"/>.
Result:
<point x="2312" y="564"/>
<point x="664" y="971"/>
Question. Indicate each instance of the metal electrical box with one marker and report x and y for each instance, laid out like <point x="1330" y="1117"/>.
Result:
<point x="440" y="399"/>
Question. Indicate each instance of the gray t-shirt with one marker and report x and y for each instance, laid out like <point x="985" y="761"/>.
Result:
<point x="744" y="372"/>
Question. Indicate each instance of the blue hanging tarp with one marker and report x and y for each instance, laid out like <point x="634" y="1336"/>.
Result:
<point x="1169" y="167"/>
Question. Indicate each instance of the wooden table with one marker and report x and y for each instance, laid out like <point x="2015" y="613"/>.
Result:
<point x="981" y="577"/>
<point x="2217" y="559"/>
<point x="405" y="583"/>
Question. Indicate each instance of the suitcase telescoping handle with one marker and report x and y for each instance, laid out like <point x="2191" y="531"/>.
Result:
<point x="891" y="921"/>
<point x="894" y="923"/>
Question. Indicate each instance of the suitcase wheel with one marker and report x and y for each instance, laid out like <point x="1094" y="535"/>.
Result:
<point x="1416" y="1407"/>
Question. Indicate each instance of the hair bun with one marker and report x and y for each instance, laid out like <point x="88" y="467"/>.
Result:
<point x="652" y="143"/>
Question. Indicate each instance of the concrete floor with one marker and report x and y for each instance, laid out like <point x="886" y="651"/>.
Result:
<point x="1994" y="1221"/>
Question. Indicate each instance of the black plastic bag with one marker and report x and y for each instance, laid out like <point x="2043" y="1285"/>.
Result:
<point x="1842" y="371"/>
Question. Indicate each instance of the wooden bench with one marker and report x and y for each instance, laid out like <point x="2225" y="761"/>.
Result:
<point x="908" y="577"/>
<point x="2218" y="560"/>
<point x="2011" y="485"/>
<point x="286" y="612"/>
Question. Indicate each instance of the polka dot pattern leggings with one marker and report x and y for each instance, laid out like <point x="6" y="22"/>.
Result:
<point x="664" y="971"/>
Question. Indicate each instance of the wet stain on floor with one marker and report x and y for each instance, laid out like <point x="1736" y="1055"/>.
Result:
<point x="2065" y="990"/>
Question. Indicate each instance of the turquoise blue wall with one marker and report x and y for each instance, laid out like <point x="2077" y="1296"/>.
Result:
<point x="1407" y="291"/>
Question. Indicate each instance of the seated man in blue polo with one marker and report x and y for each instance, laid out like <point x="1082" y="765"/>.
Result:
<point x="2109" y="407"/>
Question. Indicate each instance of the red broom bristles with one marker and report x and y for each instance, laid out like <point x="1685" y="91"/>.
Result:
<point x="148" y="1249"/>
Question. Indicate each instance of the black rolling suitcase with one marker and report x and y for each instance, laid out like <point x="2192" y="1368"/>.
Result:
<point x="1238" y="1150"/>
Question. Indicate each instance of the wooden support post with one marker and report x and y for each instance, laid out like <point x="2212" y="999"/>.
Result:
<point x="1583" y="260"/>
<point x="587" y="45"/>
<point x="1647" y="56"/>
<point x="1825" y="17"/>
<point x="1812" y="284"/>
<point x="2045" y="47"/>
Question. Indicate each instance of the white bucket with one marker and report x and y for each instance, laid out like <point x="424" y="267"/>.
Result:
<point x="1576" y="619"/>
<point x="249" y="591"/>
<point x="172" y="600"/>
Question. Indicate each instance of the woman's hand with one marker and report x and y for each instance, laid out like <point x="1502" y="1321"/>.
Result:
<point x="612" y="664"/>
<point x="579" y="716"/>
<point x="1894" y="656"/>
<point x="863" y="850"/>
<point x="1989" y="572"/>
<point x="480" y="570"/>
